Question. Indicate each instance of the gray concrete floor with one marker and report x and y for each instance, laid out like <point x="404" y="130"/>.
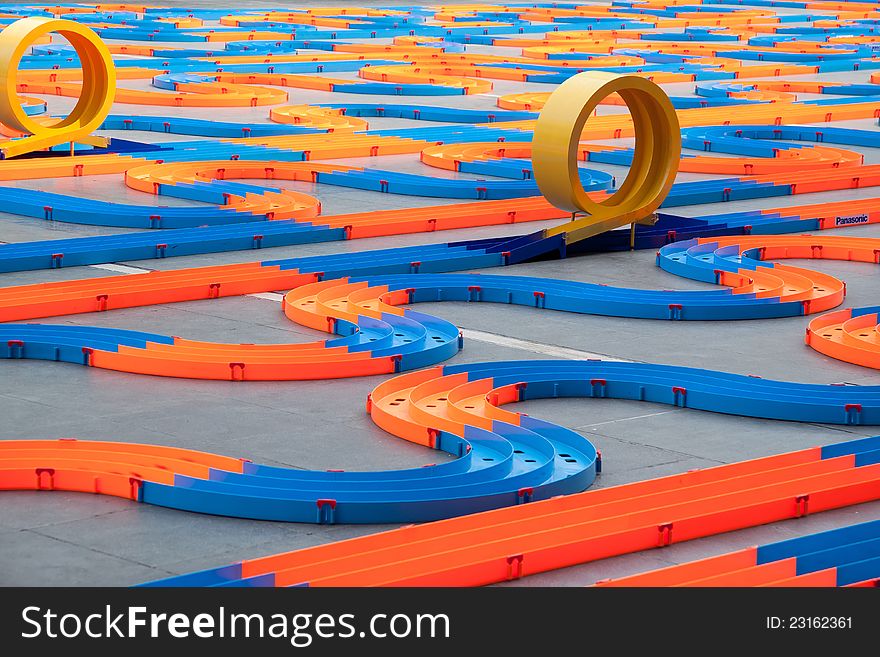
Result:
<point x="77" y="539"/>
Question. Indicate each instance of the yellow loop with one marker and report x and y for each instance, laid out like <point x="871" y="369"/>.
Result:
<point x="555" y="149"/>
<point x="98" y="89"/>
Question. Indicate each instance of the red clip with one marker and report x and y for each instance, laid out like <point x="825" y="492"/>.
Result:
<point x="136" y="485"/>
<point x="664" y="537"/>
<point x="326" y="517"/>
<point x="802" y="503"/>
<point x="853" y="407"/>
<point x="40" y="472"/>
<point x="232" y="368"/>
<point x="514" y="566"/>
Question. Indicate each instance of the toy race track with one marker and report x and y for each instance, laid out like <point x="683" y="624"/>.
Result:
<point x="570" y="530"/>
<point x="538" y="277"/>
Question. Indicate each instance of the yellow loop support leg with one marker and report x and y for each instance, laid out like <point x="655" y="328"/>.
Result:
<point x="555" y="151"/>
<point x="98" y="89"/>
